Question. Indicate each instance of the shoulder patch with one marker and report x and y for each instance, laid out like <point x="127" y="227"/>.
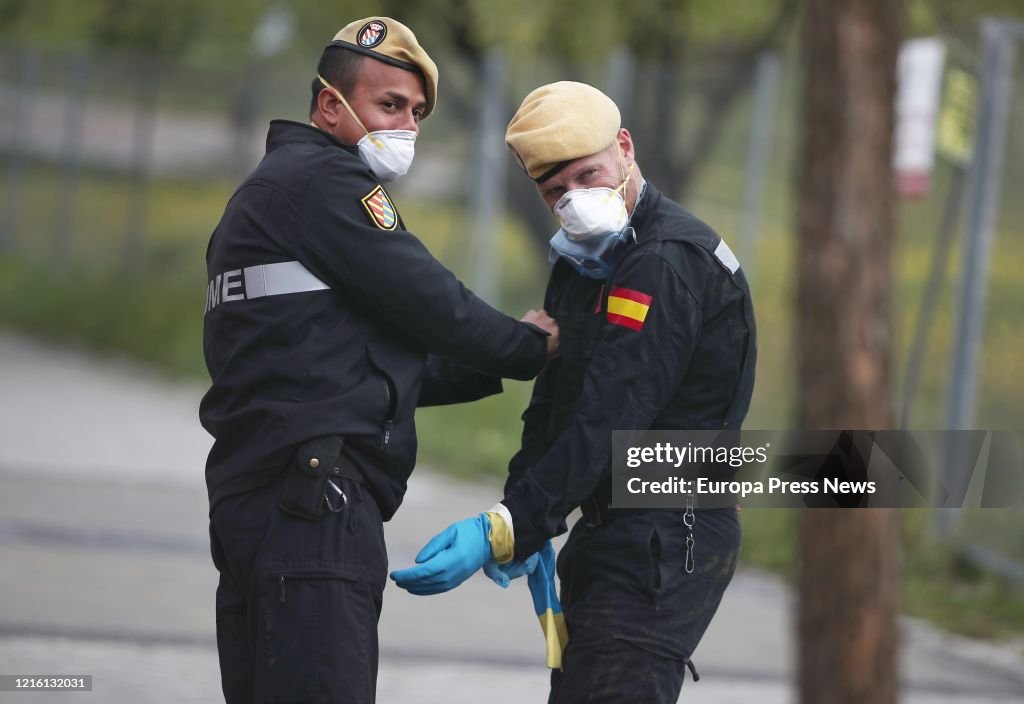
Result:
<point x="380" y="209"/>
<point x="628" y="308"/>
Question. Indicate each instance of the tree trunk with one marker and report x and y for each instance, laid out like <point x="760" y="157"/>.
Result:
<point x="850" y="563"/>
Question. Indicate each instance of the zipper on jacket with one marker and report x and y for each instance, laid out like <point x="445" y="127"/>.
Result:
<point x="389" y="422"/>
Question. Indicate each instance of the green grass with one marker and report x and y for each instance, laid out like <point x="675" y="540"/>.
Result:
<point x="947" y="590"/>
<point x="938" y="585"/>
<point x="136" y="314"/>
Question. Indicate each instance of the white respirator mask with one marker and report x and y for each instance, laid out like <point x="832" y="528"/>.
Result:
<point x="388" y="153"/>
<point x="594" y="233"/>
<point x="593" y="212"/>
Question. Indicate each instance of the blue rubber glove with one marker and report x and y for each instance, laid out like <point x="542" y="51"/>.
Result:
<point x="503" y="574"/>
<point x="449" y="559"/>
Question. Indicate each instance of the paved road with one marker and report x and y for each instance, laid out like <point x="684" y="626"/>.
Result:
<point x="106" y="568"/>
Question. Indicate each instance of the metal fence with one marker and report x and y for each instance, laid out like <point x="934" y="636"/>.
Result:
<point x="995" y="166"/>
<point x="79" y="118"/>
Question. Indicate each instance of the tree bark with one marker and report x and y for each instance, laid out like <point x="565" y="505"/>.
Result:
<point x="850" y="563"/>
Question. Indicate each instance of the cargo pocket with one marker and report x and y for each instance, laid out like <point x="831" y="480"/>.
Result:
<point x="316" y="632"/>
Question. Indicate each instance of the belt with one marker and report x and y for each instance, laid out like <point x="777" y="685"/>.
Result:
<point x="348" y="470"/>
<point x="597" y="513"/>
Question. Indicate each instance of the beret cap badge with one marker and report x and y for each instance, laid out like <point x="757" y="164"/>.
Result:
<point x="372" y="33"/>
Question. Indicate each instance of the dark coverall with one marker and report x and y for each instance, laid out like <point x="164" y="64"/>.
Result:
<point x="320" y="315"/>
<point x="633" y="613"/>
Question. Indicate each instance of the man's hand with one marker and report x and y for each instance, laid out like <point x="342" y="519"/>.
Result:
<point x="449" y="559"/>
<point x="545" y="322"/>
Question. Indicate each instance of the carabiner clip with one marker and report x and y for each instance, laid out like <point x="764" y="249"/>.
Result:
<point x="334" y="497"/>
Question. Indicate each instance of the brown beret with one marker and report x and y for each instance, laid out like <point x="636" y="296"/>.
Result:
<point x="392" y="42"/>
<point x="560" y="122"/>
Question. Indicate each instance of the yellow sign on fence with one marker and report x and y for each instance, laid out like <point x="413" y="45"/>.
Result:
<point x="957" y="117"/>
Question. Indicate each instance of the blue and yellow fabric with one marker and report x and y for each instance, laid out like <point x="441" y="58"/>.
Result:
<point x="547" y="606"/>
<point x="501" y="538"/>
<point x="454" y="554"/>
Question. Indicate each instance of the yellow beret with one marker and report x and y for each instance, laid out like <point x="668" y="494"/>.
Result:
<point x="392" y="42"/>
<point x="560" y="122"/>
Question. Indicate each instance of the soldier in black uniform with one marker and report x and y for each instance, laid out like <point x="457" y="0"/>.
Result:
<point x="321" y="312"/>
<point x="657" y="332"/>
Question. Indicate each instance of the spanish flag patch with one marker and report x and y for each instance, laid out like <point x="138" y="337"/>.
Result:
<point x="628" y="308"/>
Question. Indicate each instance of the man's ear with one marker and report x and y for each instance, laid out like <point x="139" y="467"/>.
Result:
<point x="329" y="106"/>
<point x="625" y="140"/>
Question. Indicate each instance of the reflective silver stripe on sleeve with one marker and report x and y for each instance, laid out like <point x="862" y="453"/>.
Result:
<point x="276" y="279"/>
<point x="728" y="259"/>
<point x="260" y="281"/>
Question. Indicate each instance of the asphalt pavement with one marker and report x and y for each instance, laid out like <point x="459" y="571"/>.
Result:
<point x="106" y="568"/>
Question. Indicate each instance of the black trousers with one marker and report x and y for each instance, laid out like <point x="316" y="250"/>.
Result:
<point x="298" y="601"/>
<point x="634" y="616"/>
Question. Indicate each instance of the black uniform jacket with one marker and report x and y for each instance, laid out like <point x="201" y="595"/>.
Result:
<point x="320" y="314"/>
<point x="667" y="342"/>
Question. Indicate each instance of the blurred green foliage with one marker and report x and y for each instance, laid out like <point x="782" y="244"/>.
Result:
<point x="221" y="32"/>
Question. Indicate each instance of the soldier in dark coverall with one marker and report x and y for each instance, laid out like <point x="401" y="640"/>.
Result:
<point x="326" y="325"/>
<point x="657" y="332"/>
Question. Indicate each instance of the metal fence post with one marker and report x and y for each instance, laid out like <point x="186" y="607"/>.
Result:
<point x="19" y="149"/>
<point x="489" y="184"/>
<point x="621" y="67"/>
<point x="930" y="299"/>
<point x="143" y="138"/>
<point x="71" y="158"/>
<point x="998" y="48"/>
<point x="766" y="86"/>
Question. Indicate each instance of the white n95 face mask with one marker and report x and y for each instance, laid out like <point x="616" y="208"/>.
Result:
<point x="593" y="212"/>
<point x="595" y="230"/>
<point x="388" y="153"/>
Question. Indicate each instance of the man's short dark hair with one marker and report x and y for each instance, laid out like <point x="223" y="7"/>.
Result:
<point x="340" y="68"/>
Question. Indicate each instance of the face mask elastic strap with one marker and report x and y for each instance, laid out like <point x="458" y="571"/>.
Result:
<point x="376" y="142"/>
<point x="628" y="170"/>
<point x="622" y="186"/>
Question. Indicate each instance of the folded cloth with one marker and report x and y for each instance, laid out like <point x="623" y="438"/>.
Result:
<point x="547" y="606"/>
